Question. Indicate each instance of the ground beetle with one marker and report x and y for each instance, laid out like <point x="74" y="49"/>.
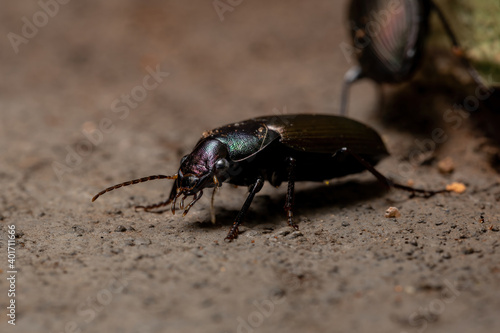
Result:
<point x="301" y="147"/>
<point x="388" y="37"/>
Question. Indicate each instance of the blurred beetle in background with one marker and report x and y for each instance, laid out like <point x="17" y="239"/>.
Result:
<point x="388" y="36"/>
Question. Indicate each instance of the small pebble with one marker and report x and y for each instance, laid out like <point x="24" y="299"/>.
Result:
<point x="129" y="242"/>
<point x="468" y="250"/>
<point x="142" y="241"/>
<point x="295" y="234"/>
<point x="392" y="212"/>
<point x="284" y="232"/>
<point x="446" y="166"/>
<point x="456" y="187"/>
<point x="120" y="228"/>
<point x="345" y="224"/>
<point x="446" y="255"/>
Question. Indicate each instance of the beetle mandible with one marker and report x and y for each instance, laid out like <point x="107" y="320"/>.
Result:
<point x="389" y="37"/>
<point x="300" y="147"/>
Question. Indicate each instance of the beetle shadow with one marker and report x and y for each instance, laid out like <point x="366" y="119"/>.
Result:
<point x="411" y="107"/>
<point x="418" y="106"/>
<point x="320" y="199"/>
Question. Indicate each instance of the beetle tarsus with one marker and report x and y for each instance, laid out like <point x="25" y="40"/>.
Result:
<point x="196" y="197"/>
<point x="172" y="207"/>
<point x="233" y="233"/>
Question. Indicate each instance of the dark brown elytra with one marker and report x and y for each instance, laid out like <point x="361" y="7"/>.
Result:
<point x="388" y="36"/>
<point x="291" y="148"/>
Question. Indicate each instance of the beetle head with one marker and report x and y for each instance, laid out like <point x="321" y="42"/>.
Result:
<point x="206" y="166"/>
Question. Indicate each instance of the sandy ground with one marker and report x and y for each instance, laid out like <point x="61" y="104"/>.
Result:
<point x="101" y="267"/>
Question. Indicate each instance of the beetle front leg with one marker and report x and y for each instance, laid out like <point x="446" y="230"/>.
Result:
<point x="290" y="194"/>
<point x="233" y="233"/>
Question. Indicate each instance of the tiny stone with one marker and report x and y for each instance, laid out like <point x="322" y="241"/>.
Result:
<point x="345" y="224"/>
<point x="267" y="230"/>
<point x="421" y="221"/>
<point x="414" y="242"/>
<point x="251" y="233"/>
<point x="283" y="232"/>
<point x="242" y="229"/>
<point x="277" y="293"/>
<point x="446" y="166"/>
<point x="120" y="228"/>
<point x="446" y="255"/>
<point x="78" y="230"/>
<point x="295" y="234"/>
<point x="392" y="212"/>
<point x="456" y="187"/>
<point x="468" y="250"/>
<point x="142" y="241"/>
<point x="129" y="242"/>
<point x="439" y="223"/>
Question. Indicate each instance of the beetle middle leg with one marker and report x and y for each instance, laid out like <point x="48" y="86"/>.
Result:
<point x="290" y="194"/>
<point x="383" y="179"/>
<point x="233" y="233"/>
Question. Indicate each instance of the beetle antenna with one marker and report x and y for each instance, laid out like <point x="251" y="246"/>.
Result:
<point x="132" y="182"/>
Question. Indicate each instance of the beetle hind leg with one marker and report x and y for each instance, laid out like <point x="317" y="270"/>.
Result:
<point x="386" y="181"/>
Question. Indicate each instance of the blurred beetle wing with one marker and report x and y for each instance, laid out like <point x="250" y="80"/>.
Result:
<point x="393" y="36"/>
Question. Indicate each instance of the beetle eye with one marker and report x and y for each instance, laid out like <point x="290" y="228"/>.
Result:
<point x="221" y="164"/>
<point x="183" y="159"/>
